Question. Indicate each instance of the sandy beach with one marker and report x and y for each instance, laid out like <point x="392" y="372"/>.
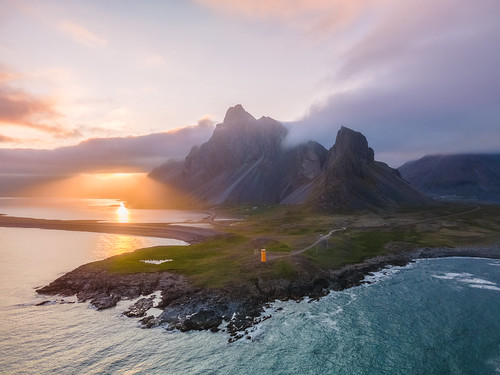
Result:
<point x="189" y="234"/>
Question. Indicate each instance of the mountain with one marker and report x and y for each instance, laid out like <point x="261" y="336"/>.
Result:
<point x="353" y="179"/>
<point x="245" y="161"/>
<point x="466" y="176"/>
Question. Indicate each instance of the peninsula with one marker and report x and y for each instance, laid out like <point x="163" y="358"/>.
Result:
<point x="326" y="218"/>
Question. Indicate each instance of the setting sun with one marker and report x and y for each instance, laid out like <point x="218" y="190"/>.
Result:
<point x="122" y="213"/>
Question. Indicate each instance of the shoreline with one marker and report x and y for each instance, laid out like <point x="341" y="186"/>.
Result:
<point x="239" y="306"/>
<point x="186" y="233"/>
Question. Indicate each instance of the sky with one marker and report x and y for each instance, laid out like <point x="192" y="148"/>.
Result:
<point x="80" y="78"/>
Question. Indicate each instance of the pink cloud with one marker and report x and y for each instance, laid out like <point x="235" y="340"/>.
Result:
<point x="316" y="16"/>
<point x="5" y="139"/>
<point x="18" y="108"/>
<point x="82" y="35"/>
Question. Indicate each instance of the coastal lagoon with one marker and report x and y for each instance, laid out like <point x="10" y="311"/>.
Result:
<point x="431" y="317"/>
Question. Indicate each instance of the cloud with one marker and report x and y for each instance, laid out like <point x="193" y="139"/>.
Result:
<point x="6" y="76"/>
<point x="5" y="139"/>
<point x="316" y="16"/>
<point x="21" y="109"/>
<point x="416" y="77"/>
<point x="82" y="35"/>
<point x="126" y="154"/>
<point x="422" y="80"/>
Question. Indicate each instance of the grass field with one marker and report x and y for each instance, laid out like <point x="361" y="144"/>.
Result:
<point x="285" y="229"/>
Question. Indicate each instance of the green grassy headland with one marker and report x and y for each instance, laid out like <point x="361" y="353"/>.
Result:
<point x="286" y="229"/>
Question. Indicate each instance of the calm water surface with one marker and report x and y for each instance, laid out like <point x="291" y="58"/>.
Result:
<point x="431" y="317"/>
<point x="91" y="209"/>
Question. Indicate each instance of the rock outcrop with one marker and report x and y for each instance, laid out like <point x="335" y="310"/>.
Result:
<point x="245" y="161"/>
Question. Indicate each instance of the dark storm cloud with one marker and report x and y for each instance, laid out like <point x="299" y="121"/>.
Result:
<point x="425" y="81"/>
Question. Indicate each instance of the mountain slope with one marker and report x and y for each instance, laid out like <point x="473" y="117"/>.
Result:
<point x="245" y="162"/>
<point x="466" y="176"/>
<point x="352" y="178"/>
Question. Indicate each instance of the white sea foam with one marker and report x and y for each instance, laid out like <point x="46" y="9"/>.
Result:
<point x="495" y="362"/>
<point x="475" y="280"/>
<point x="454" y="276"/>
<point x="125" y="304"/>
<point x="374" y="277"/>
<point x="255" y="332"/>
<point x="469" y="279"/>
<point x="489" y="287"/>
<point x="331" y="323"/>
<point x="156" y="298"/>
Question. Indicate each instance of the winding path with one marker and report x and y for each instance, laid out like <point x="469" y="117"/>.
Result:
<point x="300" y="251"/>
<point x="329" y="234"/>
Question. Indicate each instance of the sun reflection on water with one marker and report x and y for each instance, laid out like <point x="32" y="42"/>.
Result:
<point x="114" y="244"/>
<point x="122" y="213"/>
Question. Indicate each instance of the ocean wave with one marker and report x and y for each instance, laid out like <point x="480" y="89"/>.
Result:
<point x="453" y="276"/>
<point x="489" y="287"/>
<point x="469" y="279"/>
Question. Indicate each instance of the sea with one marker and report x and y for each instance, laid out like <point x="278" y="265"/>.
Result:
<point x="439" y="316"/>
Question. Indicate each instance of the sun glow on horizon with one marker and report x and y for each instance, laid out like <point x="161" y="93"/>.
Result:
<point x="134" y="189"/>
<point x="122" y="213"/>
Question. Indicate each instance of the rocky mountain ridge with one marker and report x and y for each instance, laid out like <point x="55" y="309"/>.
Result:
<point x="245" y="161"/>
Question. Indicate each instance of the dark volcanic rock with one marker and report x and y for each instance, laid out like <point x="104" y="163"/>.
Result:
<point x="149" y="322"/>
<point x="468" y="176"/>
<point x="139" y="308"/>
<point x="104" y="289"/>
<point x="201" y="320"/>
<point x="240" y="306"/>
<point x="354" y="180"/>
<point x="103" y="301"/>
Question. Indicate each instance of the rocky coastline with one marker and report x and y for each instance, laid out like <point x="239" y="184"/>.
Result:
<point x="239" y="306"/>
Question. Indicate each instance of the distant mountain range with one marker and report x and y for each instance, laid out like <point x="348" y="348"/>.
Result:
<point x="245" y="161"/>
<point x="467" y="176"/>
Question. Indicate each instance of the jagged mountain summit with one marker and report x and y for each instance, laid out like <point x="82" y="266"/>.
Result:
<point x="245" y="161"/>
<point x="462" y="176"/>
<point x="352" y="178"/>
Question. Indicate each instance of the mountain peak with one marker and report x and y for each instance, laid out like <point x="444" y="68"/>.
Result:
<point x="237" y="114"/>
<point x="353" y="145"/>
